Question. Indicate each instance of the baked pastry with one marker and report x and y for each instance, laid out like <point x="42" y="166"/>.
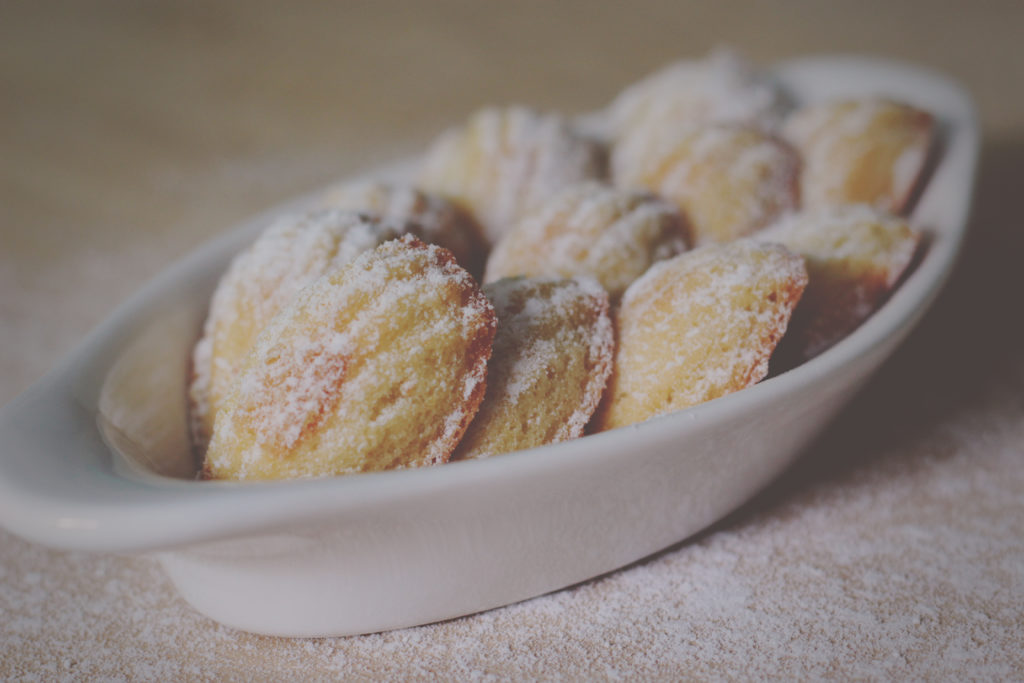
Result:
<point x="433" y="219"/>
<point x="292" y="252"/>
<point x="870" y="151"/>
<point x="855" y="255"/>
<point x="379" y="364"/>
<point x="332" y="347"/>
<point x="593" y="230"/>
<point x="729" y="180"/>
<point x="552" y="356"/>
<point x="699" y="326"/>
<point x="721" y="88"/>
<point x="503" y="162"/>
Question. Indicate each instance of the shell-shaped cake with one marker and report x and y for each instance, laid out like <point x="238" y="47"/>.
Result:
<point x="871" y="151"/>
<point x="379" y="364"/>
<point x="593" y="230"/>
<point x="551" y="360"/>
<point x="292" y="252"/>
<point x="729" y="180"/>
<point x="855" y="255"/>
<point x="636" y="261"/>
<point x="433" y="219"/>
<point x="720" y="88"/>
<point x="505" y="161"/>
<point x="699" y="326"/>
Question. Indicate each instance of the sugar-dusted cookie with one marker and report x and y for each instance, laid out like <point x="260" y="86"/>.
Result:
<point x="593" y="230"/>
<point x="870" y="151"/>
<point x="433" y="219"/>
<point x="699" y="326"/>
<point x="292" y="252"/>
<point x="729" y="180"/>
<point x="379" y="364"/>
<point x="855" y="254"/>
<point x="552" y="356"/>
<point x="503" y="162"/>
<point x="721" y="88"/>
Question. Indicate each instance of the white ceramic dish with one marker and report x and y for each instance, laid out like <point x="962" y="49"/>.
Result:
<point x="95" y="456"/>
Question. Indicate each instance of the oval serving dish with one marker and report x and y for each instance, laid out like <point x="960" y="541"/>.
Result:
<point x="96" y="456"/>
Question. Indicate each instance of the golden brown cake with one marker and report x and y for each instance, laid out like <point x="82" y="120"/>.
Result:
<point x="552" y="356"/>
<point x="433" y="219"/>
<point x="699" y="326"/>
<point x="728" y="180"/>
<point x="591" y="230"/>
<point x="855" y="255"/>
<point x="870" y="151"/>
<point x="503" y="162"/>
<point x="720" y="88"/>
<point x="333" y="347"/>
<point x="379" y="364"/>
<point x="293" y="251"/>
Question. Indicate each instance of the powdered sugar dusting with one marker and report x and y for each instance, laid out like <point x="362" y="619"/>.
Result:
<point x="591" y="230"/>
<point x="431" y="218"/>
<point x="864" y="150"/>
<point x="720" y="88"/>
<point x="855" y="255"/>
<point x="292" y="252"/>
<point x="848" y="231"/>
<point x="729" y="180"/>
<point x="341" y="374"/>
<point x="506" y="161"/>
<point x="306" y="373"/>
<point x="699" y="326"/>
<point x="552" y="357"/>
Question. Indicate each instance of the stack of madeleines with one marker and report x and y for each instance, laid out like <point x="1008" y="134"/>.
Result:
<point x="542" y="278"/>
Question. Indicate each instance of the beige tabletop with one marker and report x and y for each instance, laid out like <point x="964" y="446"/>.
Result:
<point x="130" y="133"/>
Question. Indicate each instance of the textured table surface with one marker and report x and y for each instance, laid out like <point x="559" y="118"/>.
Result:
<point x="130" y="133"/>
